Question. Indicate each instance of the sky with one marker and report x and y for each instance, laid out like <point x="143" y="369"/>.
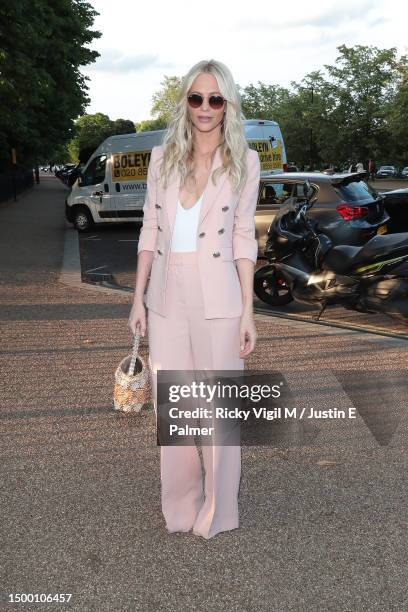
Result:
<point x="260" y="41"/>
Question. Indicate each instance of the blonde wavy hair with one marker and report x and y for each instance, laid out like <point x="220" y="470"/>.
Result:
<point x="178" y="140"/>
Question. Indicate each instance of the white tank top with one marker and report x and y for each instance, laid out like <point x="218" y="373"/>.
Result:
<point x="185" y="227"/>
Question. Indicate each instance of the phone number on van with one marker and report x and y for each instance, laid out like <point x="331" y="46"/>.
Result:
<point x="128" y="166"/>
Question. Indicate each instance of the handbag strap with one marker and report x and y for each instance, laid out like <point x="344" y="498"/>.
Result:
<point x="132" y="364"/>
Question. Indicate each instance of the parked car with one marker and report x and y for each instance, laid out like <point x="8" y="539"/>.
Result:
<point x="345" y="203"/>
<point x="61" y="174"/>
<point x="396" y="205"/>
<point x="386" y="172"/>
<point x="404" y="172"/>
<point x="72" y="175"/>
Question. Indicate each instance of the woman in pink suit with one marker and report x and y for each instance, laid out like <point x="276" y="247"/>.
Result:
<point x="198" y="245"/>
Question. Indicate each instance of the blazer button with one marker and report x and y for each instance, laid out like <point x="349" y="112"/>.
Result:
<point x="157" y="206"/>
<point x="224" y="208"/>
<point x="202" y="234"/>
<point x="216" y="254"/>
<point x="159" y="228"/>
<point x="221" y="231"/>
<point x="159" y="252"/>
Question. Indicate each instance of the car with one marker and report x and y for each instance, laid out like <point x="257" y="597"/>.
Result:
<point x="72" y="175"/>
<point x="404" y="172"/>
<point x="62" y="173"/>
<point x="386" y="172"/>
<point x="396" y="205"/>
<point x="352" y="209"/>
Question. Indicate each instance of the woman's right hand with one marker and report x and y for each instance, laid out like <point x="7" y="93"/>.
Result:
<point x="137" y="319"/>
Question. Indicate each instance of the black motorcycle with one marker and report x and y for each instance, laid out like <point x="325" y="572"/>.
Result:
<point x="304" y="265"/>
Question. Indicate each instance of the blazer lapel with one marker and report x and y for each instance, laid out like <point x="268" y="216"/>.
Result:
<point x="210" y="192"/>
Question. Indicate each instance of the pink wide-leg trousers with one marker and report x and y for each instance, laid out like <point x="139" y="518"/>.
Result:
<point x="185" y="340"/>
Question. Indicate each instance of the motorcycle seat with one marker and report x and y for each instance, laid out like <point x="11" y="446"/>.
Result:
<point x="341" y="256"/>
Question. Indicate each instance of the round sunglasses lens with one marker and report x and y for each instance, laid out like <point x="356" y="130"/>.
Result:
<point x="216" y="102"/>
<point x="195" y="100"/>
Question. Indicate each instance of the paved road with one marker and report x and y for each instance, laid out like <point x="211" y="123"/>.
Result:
<point x="389" y="184"/>
<point x="323" y="512"/>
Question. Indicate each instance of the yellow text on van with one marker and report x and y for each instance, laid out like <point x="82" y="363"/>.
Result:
<point x="130" y="166"/>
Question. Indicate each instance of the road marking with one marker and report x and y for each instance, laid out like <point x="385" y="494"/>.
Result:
<point x="98" y="268"/>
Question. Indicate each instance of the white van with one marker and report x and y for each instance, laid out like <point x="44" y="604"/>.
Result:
<point x="113" y="183"/>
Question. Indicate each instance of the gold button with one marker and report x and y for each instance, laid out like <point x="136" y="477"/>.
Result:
<point x="159" y="228"/>
<point x="216" y="254"/>
<point x="159" y="252"/>
<point x="157" y="206"/>
<point x="202" y="234"/>
<point x="224" y="208"/>
<point x="221" y="231"/>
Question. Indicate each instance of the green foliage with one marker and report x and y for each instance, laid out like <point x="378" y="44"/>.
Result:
<point x="42" y="91"/>
<point x="91" y="130"/>
<point x="398" y="113"/>
<point x="165" y="100"/>
<point x="124" y="126"/>
<point x="149" y="125"/>
<point x="356" y="112"/>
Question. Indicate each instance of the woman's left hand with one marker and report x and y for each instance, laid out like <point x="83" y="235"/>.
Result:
<point x="248" y="335"/>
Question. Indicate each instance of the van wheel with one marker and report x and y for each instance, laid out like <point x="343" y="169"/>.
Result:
<point x="82" y="219"/>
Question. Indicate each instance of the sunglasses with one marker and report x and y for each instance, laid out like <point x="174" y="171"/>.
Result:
<point x="195" y="100"/>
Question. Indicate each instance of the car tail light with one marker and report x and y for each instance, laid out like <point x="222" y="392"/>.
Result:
<point x="285" y="167"/>
<point x="352" y="212"/>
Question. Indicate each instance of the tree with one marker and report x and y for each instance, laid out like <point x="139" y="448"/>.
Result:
<point x="398" y="113"/>
<point x="164" y="101"/>
<point x="123" y="126"/>
<point x="291" y="109"/>
<point x="264" y="101"/>
<point x="363" y="82"/>
<point x="356" y="111"/>
<point x="42" y="91"/>
<point x="149" y="125"/>
<point x="91" y="130"/>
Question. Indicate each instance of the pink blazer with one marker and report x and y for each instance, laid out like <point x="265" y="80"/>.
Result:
<point x="226" y="232"/>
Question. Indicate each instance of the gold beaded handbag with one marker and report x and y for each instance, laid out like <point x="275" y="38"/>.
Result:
<point x="133" y="383"/>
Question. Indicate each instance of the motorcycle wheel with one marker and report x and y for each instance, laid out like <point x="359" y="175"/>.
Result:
<point x="272" y="291"/>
